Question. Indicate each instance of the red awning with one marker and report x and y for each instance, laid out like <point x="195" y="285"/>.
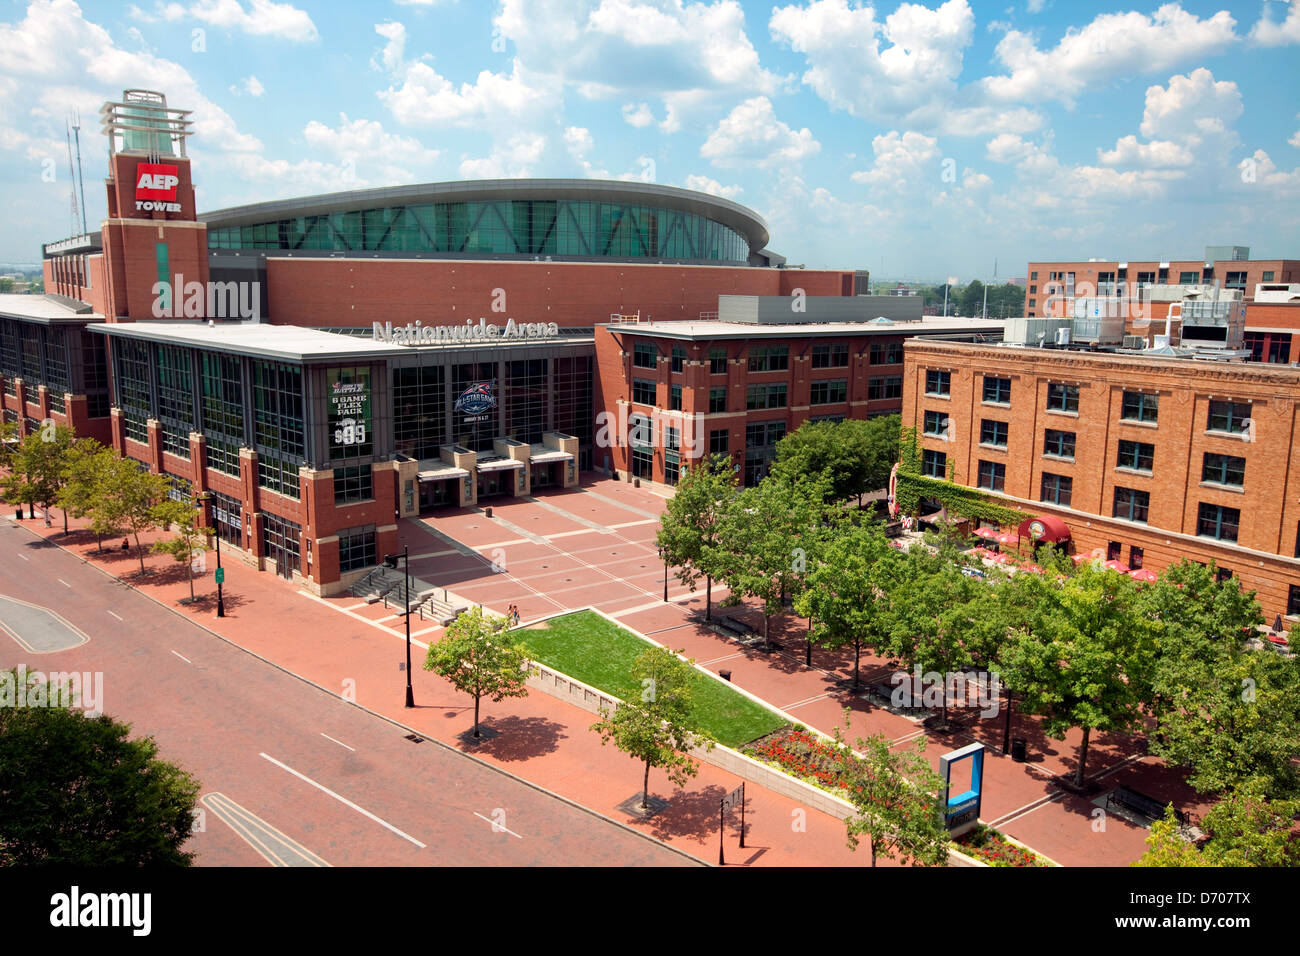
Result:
<point x="1044" y="529"/>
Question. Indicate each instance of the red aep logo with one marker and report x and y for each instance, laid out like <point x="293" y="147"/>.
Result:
<point x="156" y="181"/>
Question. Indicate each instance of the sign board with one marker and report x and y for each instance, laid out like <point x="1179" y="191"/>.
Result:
<point x="220" y="575"/>
<point x="961" y="812"/>
<point x="349" y="409"/>
<point x="417" y="333"/>
<point x="733" y="798"/>
<point x="477" y="400"/>
<point x="155" y="187"/>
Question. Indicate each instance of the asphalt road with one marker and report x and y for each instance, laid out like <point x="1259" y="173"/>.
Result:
<point x="291" y="775"/>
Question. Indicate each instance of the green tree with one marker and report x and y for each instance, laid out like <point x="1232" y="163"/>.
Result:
<point x="847" y="596"/>
<point x="126" y="499"/>
<point x="856" y="454"/>
<point x="972" y="298"/>
<point x="37" y="469"/>
<point x="895" y="796"/>
<point x="86" y="464"/>
<point x="8" y="444"/>
<point x="766" y="538"/>
<point x="689" y="526"/>
<point x="75" y="790"/>
<point x="6" y="285"/>
<point x="190" y="537"/>
<point x="479" y="660"/>
<point x="1246" y="828"/>
<point x="660" y="727"/>
<point x="1085" y="658"/>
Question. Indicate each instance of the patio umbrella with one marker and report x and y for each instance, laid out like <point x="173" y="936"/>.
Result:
<point x="1144" y="575"/>
<point x="990" y="534"/>
<point x="1094" y="555"/>
<point x="1008" y="538"/>
<point x="1031" y="568"/>
<point x="1117" y="566"/>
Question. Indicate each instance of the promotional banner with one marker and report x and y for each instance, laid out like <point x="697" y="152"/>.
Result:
<point x="349" y="410"/>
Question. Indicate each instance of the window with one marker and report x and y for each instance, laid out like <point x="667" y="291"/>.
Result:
<point x="718" y="399"/>
<point x="280" y="538"/>
<point x="1223" y="470"/>
<point x="356" y="548"/>
<point x="886" y="353"/>
<point x="1222" y="574"/>
<point x="679" y="358"/>
<point x="1235" y="280"/>
<point x="1293" y="601"/>
<point x="1113" y="550"/>
<point x="1136" y="455"/>
<point x="352" y="484"/>
<point x="672" y="455"/>
<point x="717" y="361"/>
<point x="1058" y="444"/>
<point x="1139" y="407"/>
<point x="829" y="392"/>
<point x="992" y="475"/>
<point x="885" y="388"/>
<point x="775" y="358"/>
<point x="1228" y="416"/>
<point x="1131" y="505"/>
<point x="1063" y="398"/>
<point x="223" y="410"/>
<point x="934" y="464"/>
<point x="1188" y="278"/>
<point x="830" y="356"/>
<point x="760" y="449"/>
<point x="765" y="396"/>
<point x="1056" y="489"/>
<point x="644" y="355"/>
<point x="1134" y="557"/>
<point x="937" y="383"/>
<point x="720" y="442"/>
<point x="1033" y="275"/>
<point x="175" y="398"/>
<point x="675" y="398"/>
<point x="1216" y="521"/>
<point x="278" y="430"/>
<point x="1267" y="277"/>
<point x="936" y="423"/>
<point x="993" y="432"/>
<point x="1032" y="303"/>
<point x="997" y="390"/>
<point x="419" y="411"/>
<point x="643" y="391"/>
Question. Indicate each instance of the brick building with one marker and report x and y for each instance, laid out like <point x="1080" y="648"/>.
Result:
<point x="1150" y="459"/>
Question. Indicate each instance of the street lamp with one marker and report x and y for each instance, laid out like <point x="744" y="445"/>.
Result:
<point x="220" y="575"/>
<point x="663" y="556"/>
<point x="390" y="561"/>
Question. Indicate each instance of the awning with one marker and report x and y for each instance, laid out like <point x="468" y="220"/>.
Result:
<point x="548" y="454"/>
<point x="1045" y="529"/>
<point x="499" y="464"/>
<point x="435" y="473"/>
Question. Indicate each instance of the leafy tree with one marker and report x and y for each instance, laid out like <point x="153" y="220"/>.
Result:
<point x="765" y="540"/>
<point x="190" y="539"/>
<point x="6" y="285"/>
<point x="659" y="728"/>
<point x="856" y="453"/>
<point x="1085" y="658"/>
<point x="75" y="790"/>
<point x="847" y="595"/>
<point x="972" y="298"/>
<point x="690" y="524"/>
<point x="126" y="499"/>
<point x="476" y="656"/>
<point x="1246" y="828"/>
<point x="895" y="797"/>
<point x="86" y="464"/>
<point x="37" y="469"/>
<point x="8" y="443"/>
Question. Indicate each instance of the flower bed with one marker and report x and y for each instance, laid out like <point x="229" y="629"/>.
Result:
<point x="801" y="754"/>
<point x="989" y="846"/>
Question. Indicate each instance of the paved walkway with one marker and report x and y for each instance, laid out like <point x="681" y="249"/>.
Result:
<point x="594" y="546"/>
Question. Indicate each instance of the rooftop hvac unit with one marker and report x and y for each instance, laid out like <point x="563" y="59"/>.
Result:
<point x="1135" y="342"/>
<point x="1062" y="336"/>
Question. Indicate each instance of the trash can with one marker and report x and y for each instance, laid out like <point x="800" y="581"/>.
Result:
<point x="1018" y="749"/>
<point x="488" y="510"/>
<point x="725" y="675"/>
<point x="18" y="513"/>
<point x="636" y="482"/>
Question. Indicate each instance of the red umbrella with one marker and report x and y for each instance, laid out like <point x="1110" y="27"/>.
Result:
<point x="1117" y="566"/>
<point x="990" y="533"/>
<point x="1031" y="568"/>
<point x="1145" y="575"/>
<point x="1009" y="537"/>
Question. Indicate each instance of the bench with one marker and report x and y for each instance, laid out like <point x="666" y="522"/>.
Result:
<point x="1140" y="803"/>
<point x="884" y="690"/>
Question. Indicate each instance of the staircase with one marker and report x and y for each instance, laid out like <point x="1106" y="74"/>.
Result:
<point x="378" y="583"/>
<point x="436" y="609"/>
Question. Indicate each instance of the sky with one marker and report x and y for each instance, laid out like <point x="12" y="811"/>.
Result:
<point x="919" y="141"/>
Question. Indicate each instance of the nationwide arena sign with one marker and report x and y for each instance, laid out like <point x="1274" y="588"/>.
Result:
<point x="417" y="333"/>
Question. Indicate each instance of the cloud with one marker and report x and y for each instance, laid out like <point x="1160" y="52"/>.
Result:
<point x="262" y="18"/>
<point x="514" y="158"/>
<point x="1112" y="44"/>
<point x="1156" y="154"/>
<point x="751" y="135"/>
<point x="704" y="184"/>
<point x="366" y="145"/>
<point x="389" y="59"/>
<point x="1192" y="106"/>
<point x="901" y="158"/>
<point x="1268" y="32"/>
<point x="1035" y="6"/>
<point x="423" y="97"/>
<point x="637" y="114"/>
<point x="250" y="85"/>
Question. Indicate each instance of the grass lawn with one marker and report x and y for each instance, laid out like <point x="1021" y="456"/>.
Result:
<point x="589" y="648"/>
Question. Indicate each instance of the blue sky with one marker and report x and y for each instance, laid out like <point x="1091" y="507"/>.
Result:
<point x="914" y="140"/>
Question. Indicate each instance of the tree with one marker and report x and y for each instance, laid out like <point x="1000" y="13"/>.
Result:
<point x="690" y="523"/>
<point x="1244" y="829"/>
<point x="476" y="656"/>
<point x="126" y="500"/>
<point x="1084" y="657"/>
<point x="659" y="728"/>
<point x="895" y="797"/>
<point x="37" y="469"/>
<point x="8" y="443"/>
<point x="85" y="466"/>
<point x="75" y="790"/>
<point x="6" y="285"/>
<point x="856" y="454"/>
<point x="191" y="538"/>
<point x="847" y="594"/>
<point x="971" y="298"/>
<point x="765" y="539"/>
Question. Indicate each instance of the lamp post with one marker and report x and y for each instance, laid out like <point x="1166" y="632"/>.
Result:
<point x="390" y="561"/>
<point x="206" y="496"/>
<point x="663" y="556"/>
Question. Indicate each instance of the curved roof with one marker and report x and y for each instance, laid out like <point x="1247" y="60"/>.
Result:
<point x="731" y="214"/>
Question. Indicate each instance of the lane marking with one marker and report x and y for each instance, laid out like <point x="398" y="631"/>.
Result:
<point x="345" y="801"/>
<point x="184" y="658"/>
<point x="24" y="557"/>
<point x="339" y="742"/>
<point x="272" y="845"/>
<point x="63" y="582"/>
<point x="114" y="615"/>
<point x="496" y="826"/>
